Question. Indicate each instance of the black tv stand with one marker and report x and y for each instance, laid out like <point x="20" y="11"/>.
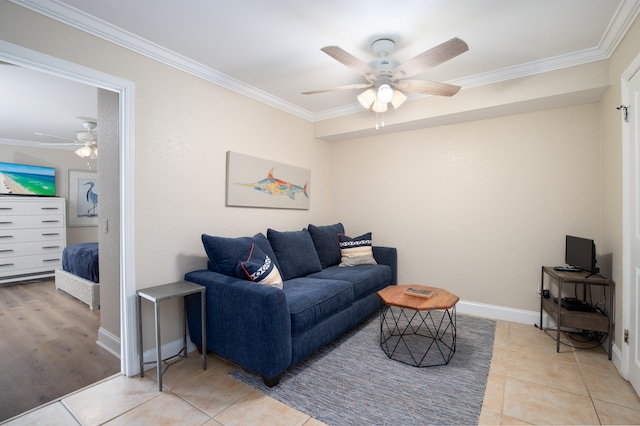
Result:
<point x="577" y="319"/>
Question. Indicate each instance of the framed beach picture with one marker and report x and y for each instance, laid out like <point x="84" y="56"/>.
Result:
<point x="256" y="182"/>
<point x="83" y="198"/>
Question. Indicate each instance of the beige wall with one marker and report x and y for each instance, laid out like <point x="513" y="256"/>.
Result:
<point x="183" y="128"/>
<point x="476" y="206"/>
<point x="612" y="159"/>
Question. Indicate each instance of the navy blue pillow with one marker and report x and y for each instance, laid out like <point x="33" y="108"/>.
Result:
<point x="296" y="254"/>
<point x="325" y="239"/>
<point x="225" y="253"/>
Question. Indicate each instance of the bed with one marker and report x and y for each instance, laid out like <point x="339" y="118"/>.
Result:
<point x="80" y="274"/>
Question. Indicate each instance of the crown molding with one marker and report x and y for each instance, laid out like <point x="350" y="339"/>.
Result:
<point x="75" y="18"/>
<point x="55" y="9"/>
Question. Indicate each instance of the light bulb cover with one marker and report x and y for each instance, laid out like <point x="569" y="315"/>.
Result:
<point x="367" y="98"/>
<point x="379" y="106"/>
<point x="398" y="99"/>
<point x="84" y="152"/>
<point x="385" y="93"/>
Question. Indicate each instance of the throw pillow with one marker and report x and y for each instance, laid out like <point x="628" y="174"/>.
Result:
<point x="225" y="253"/>
<point x="259" y="268"/>
<point x="261" y="241"/>
<point x="296" y="253"/>
<point x="356" y="251"/>
<point x="325" y="239"/>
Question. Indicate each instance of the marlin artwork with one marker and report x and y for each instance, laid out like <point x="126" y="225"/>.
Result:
<point x="274" y="186"/>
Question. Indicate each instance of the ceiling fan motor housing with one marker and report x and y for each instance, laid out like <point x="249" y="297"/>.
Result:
<point x="383" y="47"/>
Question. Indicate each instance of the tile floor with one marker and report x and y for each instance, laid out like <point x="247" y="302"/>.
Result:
<point x="529" y="383"/>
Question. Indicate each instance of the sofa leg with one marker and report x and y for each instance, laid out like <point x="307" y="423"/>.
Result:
<point x="272" y="381"/>
<point x="199" y="348"/>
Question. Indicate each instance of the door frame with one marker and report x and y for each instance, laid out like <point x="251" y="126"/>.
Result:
<point x="37" y="61"/>
<point x="628" y="173"/>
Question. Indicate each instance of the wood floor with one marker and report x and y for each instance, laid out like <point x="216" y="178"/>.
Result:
<point x="47" y="347"/>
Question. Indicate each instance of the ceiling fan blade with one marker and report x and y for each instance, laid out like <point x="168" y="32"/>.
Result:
<point x="335" y="89"/>
<point x="432" y="57"/>
<point x="348" y="59"/>
<point x="52" y="136"/>
<point x="427" y="87"/>
<point x="58" y="144"/>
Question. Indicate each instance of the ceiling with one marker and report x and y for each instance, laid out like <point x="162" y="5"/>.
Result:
<point x="270" y="50"/>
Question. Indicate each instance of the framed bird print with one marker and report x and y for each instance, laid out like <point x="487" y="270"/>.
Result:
<point x="256" y="182"/>
<point x="83" y="198"/>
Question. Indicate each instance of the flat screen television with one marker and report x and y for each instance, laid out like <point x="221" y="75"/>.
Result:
<point x="581" y="253"/>
<point x="25" y="179"/>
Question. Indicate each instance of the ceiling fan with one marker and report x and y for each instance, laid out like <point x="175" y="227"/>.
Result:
<point x="86" y="140"/>
<point x="387" y="78"/>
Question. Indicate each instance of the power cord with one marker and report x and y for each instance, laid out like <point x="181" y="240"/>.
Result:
<point x="586" y="335"/>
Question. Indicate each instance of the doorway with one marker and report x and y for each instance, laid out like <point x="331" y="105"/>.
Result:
<point x="631" y="222"/>
<point x="124" y="341"/>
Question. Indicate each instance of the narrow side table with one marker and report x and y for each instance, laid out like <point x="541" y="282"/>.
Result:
<point x="157" y="295"/>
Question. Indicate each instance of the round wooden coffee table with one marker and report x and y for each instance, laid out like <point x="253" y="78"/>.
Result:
<point x="415" y="330"/>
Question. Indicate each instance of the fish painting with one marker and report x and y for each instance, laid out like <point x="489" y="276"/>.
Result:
<point x="273" y="186"/>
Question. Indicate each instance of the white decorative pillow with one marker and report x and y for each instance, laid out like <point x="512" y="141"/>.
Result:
<point x="259" y="268"/>
<point x="356" y="251"/>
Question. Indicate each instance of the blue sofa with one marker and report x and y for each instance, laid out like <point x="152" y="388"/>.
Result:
<point x="267" y="329"/>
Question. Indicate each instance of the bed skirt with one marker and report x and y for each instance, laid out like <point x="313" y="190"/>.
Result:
<point x="84" y="290"/>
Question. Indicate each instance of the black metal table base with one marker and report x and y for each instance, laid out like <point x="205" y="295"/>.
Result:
<point x="418" y="338"/>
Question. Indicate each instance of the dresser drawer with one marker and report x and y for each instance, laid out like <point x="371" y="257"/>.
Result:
<point x="39" y="221"/>
<point x="27" y="264"/>
<point x="31" y="207"/>
<point x="27" y="235"/>
<point x="27" y="249"/>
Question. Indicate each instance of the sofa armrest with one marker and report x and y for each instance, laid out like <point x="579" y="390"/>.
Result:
<point x="247" y="323"/>
<point x="387" y="256"/>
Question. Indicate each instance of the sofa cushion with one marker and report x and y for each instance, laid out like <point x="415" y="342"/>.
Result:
<point x="225" y="253"/>
<point x="356" y="251"/>
<point x="312" y="300"/>
<point x="259" y="268"/>
<point x="366" y="279"/>
<point x="296" y="254"/>
<point x="325" y="239"/>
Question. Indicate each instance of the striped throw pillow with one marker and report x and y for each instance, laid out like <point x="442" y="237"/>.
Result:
<point x="356" y="251"/>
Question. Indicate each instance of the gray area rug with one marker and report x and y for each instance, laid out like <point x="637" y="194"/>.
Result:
<point x="353" y="382"/>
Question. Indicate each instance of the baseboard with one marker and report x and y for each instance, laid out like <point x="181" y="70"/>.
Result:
<point x="109" y="341"/>
<point x="166" y="351"/>
<point x="500" y="313"/>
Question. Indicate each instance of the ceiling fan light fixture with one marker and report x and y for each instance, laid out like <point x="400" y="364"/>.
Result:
<point x="385" y="93"/>
<point x="379" y="106"/>
<point x="367" y="98"/>
<point x="398" y="99"/>
<point x="84" y="152"/>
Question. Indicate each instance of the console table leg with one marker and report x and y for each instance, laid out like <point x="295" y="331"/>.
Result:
<point x="140" y="349"/>
<point x="158" y="356"/>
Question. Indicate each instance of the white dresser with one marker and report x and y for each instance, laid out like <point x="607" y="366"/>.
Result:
<point x="32" y="236"/>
